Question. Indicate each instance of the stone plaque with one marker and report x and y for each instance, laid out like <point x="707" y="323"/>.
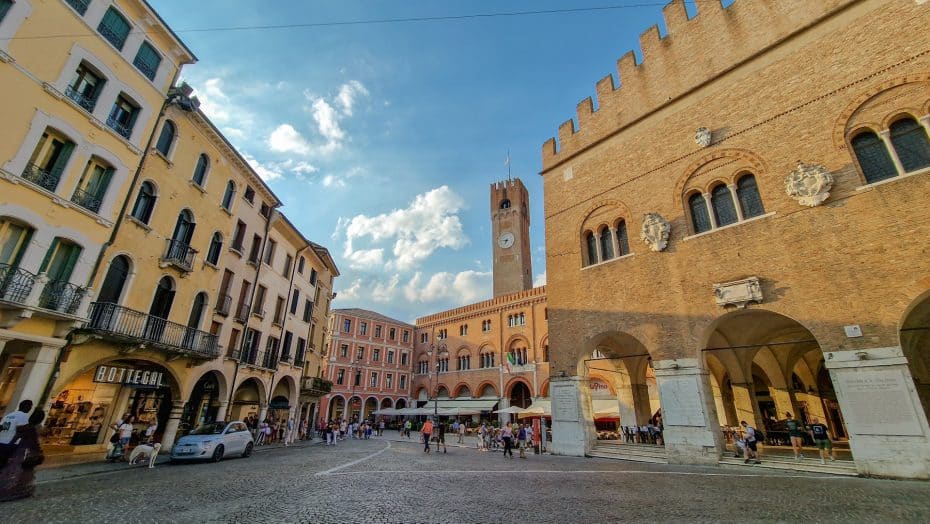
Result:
<point x="565" y="402"/>
<point x="877" y="402"/>
<point x="681" y="402"/>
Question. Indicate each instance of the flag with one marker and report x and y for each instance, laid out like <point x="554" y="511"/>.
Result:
<point x="510" y="361"/>
<point x="507" y="160"/>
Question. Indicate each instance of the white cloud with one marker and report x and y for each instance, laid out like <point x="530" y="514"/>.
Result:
<point x="367" y="259"/>
<point x="286" y="139"/>
<point x="332" y="181"/>
<point x="348" y="92"/>
<point x="430" y="222"/>
<point x="266" y="172"/>
<point x="353" y="292"/>
<point x="213" y="100"/>
<point x="234" y="132"/>
<point x="461" y="288"/>
<point x="540" y="280"/>
<point x="327" y="122"/>
<point x="385" y="292"/>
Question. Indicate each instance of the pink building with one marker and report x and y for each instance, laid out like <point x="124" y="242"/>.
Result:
<point x="370" y="364"/>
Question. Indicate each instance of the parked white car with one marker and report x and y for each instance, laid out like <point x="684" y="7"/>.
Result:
<point x="214" y="441"/>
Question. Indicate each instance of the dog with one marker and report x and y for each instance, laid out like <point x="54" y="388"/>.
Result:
<point x="144" y="451"/>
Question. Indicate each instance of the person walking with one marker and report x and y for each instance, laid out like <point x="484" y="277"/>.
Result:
<point x="749" y="435"/>
<point x="461" y="433"/>
<point x="521" y="440"/>
<point x="289" y="433"/>
<point x="407" y="427"/>
<point x="441" y="437"/>
<point x="11" y="421"/>
<point x="427" y="432"/>
<point x="821" y="436"/>
<point x="507" y="437"/>
<point x="794" y="434"/>
<point x="381" y="428"/>
<point x="17" y="476"/>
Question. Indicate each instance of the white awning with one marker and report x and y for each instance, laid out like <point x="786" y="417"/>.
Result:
<point x="539" y="408"/>
<point x="466" y="406"/>
<point x="606" y="408"/>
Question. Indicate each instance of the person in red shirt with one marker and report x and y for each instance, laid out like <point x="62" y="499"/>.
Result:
<point x="427" y="432"/>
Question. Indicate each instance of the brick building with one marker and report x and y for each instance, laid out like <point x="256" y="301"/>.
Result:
<point x="492" y="354"/>
<point x="370" y="364"/>
<point x="685" y="239"/>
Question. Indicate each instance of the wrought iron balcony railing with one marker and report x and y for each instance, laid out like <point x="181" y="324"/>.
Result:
<point x="41" y="177"/>
<point x="316" y="386"/>
<point x="270" y="360"/>
<point x="61" y="296"/>
<point x="86" y="200"/>
<point x="114" y="37"/>
<point x="79" y="5"/>
<point x="15" y="284"/>
<point x="300" y="358"/>
<point x="121" y="129"/>
<point x="136" y="326"/>
<point x="144" y="67"/>
<point x="257" y="358"/>
<point x="223" y="305"/>
<point x="87" y="102"/>
<point x="242" y="312"/>
<point x="180" y="254"/>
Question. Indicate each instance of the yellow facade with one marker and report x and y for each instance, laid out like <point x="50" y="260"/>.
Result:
<point x="78" y="113"/>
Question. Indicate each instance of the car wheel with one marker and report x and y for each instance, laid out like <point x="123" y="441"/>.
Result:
<point x="218" y="453"/>
<point x="248" y="450"/>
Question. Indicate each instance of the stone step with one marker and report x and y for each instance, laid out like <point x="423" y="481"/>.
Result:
<point x="627" y="456"/>
<point x="623" y="450"/>
<point x="845" y="468"/>
<point x="625" y="445"/>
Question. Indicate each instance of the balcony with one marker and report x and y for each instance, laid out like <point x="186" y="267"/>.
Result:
<point x="41" y="177"/>
<point x="79" y="5"/>
<point x="86" y="200"/>
<point x="180" y="255"/>
<point x="257" y="358"/>
<point x="129" y="325"/>
<point x="144" y="67"/>
<point x="315" y="386"/>
<point x="61" y="296"/>
<point x="242" y="313"/>
<point x="122" y="129"/>
<point x="79" y="98"/>
<point x="223" y="305"/>
<point x="15" y="284"/>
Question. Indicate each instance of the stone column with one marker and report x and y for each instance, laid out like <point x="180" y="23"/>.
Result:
<point x="222" y="409"/>
<point x="615" y="242"/>
<point x="691" y="431"/>
<point x="783" y="402"/>
<point x="37" y="369"/>
<point x="735" y="195"/>
<point x="641" y="403"/>
<point x="572" y="416"/>
<point x="886" y="139"/>
<point x="3" y="341"/>
<point x="262" y="412"/>
<point x="625" y="400"/>
<point x="710" y="210"/>
<point x="747" y="408"/>
<point x="171" y="428"/>
<point x="887" y="425"/>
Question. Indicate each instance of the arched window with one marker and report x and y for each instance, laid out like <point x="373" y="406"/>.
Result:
<point x="228" y="195"/>
<point x="607" y="245"/>
<point x="591" y="243"/>
<point x="722" y="201"/>
<point x="505" y="204"/>
<point x="184" y="227"/>
<point x="113" y="283"/>
<point x="700" y="219"/>
<point x="200" y="172"/>
<point x="14" y="239"/>
<point x="623" y="240"/>
<point x="216" y="246"/>
<point x="747" y="192"/>
<point x="166" y="138"/>
<point x="874" y="160"/>
<point x="911" y="144"/>
<point x="145" y="203"/>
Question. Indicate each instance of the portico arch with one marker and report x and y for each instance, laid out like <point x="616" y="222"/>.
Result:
<point x="622" y="363"/>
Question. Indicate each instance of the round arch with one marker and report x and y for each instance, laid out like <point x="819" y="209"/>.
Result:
<point x="487" y="389"/>
<point x="387" y="403"/>
<point x="461" y="388"/>
<point x="401" y="403"/>
<point x="286" y="386"/>
<point x="337" y="408"/>
<point x="508" y="389"/>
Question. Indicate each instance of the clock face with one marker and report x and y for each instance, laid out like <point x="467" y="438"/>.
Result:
<point x="505" y="240"/>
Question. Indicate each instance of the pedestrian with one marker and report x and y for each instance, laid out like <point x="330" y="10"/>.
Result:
<point x="521" y="440"/>
<point x="441" y="438"/>
<point x="289" y="434"/>
<point x="150" y="432"/>
<point x="10" y="422"/>
<point x="260" y="437"/>
<point x="507" y="437"/>
<point x="427" y="432"/>
<point x="123" y="429"/>
<point x="461" y="433"/>
<point x="303" y="430"/>
<point x="821" y="436"/>
<point x="749" y="435"/>
<point x="407" y="427"/>
<point x="269" y="431"/>
<point x="794" y="434"/>
<point x="17" y="475"/>
<point x="381" y="428"/>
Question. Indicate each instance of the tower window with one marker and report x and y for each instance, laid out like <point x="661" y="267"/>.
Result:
<point x="505" y="204"/>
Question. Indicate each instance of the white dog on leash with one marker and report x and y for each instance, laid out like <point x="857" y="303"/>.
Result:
<point x="144" y="451"/>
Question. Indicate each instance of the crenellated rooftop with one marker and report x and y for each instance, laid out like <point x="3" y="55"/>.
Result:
<point x="535" y="294"/>
<point x="693" y="53"/>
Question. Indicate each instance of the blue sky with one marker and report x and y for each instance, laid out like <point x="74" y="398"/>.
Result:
<point x="382" y="139"/>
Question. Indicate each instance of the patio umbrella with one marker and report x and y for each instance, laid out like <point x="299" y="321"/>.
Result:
<point x="511" y="409"/>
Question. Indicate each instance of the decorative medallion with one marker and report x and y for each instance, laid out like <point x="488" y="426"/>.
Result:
<point x="738" y="293"/>
<point x="703" y="136"/>
<point x="655" y="231"/>
<point x="809" y="184"/>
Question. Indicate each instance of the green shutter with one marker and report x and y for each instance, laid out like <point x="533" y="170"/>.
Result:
<point x="99" y="184"/>
<point x="66" y="149"/>
<point x="5" y="6"/>
<point x="48" y="255"/>
<point x="114" y="27"/>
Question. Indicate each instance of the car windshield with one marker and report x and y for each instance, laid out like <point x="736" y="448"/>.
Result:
<point x="209" y="429"/>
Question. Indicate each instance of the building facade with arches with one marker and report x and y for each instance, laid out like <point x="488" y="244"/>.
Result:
<point x="755" y="248"/>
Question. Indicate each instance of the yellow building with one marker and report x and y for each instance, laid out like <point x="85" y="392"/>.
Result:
<point x="84" y="110"/>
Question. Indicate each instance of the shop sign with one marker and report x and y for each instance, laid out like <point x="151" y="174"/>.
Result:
<point x="598" y="385"/>
<point x="139" y="378"/>
<point x="279" y="403"/>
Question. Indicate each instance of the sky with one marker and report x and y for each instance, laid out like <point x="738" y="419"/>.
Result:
<point x="382" y="139"/>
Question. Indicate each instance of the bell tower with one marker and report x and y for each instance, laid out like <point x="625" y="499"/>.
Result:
<point x="510" y="230"/>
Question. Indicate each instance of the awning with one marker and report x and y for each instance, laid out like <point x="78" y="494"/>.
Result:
<point x="511" y="410"/>
<point x="606" y="408"/>
<point x="387" y="412"/>
<point x="474" y="404"/>
<point x="539" y="408"/>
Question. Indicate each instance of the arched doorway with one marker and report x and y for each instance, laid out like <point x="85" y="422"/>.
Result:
<point x="204" y="403"/>
<point x="355" y="409"/>
<point x="400" y="404"/>
<point x="160" y="309"/>
<point x="280" y="408"/>
<point x="112" y="288"/>
<point x="81" y="413"/>
<point x="915" y="343"/>
<point x="520" y="395"/>
<point x="371" y="405"/>
<point x="247" y="399"/>
<point x="337" y="408"/>
<point x="386" y="403"/>
<point x="766" y="366"/>
<point x="195" y="318"/>
<point x="622" y="386"/>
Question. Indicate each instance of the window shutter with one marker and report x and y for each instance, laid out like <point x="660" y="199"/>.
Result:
<point x="62" y="159"/>
<point x="98" y="186"/>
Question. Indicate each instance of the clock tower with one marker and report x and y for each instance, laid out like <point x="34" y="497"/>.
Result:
<point x="510" y="230"/>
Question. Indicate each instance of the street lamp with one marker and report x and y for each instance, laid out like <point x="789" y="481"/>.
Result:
<point x="438" y="350"/>
<point x="356" y="381"/>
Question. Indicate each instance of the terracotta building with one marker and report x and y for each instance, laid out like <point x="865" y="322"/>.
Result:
<point x="370" y="364"/>
<point x="492" y="354"/>
<point x="741" y="219"/>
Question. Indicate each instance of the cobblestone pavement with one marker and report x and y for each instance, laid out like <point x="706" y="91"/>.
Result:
<point x="389" y="481"/>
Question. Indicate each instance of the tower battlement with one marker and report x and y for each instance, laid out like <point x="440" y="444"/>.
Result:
<point x="693" y="52"/>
